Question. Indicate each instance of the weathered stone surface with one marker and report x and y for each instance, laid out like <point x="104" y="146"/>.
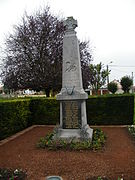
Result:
<point x="71" y="75"/>
<point x="72" y="96"/>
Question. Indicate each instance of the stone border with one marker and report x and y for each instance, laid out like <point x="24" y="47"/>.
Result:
<point x="21" y="133"/>
<point x="4" y="141"/>
<point x="122" y="126"/>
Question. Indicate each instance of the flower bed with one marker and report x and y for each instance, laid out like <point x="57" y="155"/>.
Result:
<point x="10" y="174"/>
<point x="49" y="142"/>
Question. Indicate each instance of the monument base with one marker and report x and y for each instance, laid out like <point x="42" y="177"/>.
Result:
<point x="85" y="133"/>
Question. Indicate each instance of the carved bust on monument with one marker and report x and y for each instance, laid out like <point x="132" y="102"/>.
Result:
<point x="73" y="119"/>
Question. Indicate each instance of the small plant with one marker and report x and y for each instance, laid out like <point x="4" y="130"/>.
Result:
<point x="131" y="129"/>
<point x="50" y="142"/>
<point x="120" y="178"/>
<point x="99" y="178"/>
<point x="98" y="140"/>
<point x="9" y="174"/>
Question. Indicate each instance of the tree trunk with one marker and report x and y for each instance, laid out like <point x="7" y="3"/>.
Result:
<point x="47" y="92"/>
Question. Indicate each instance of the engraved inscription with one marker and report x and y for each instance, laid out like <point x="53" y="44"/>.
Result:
<point x="70" y="67"/>
<point x="71" y="114"/>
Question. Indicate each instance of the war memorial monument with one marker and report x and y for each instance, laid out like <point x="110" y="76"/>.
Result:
<point x="72" y="97"/>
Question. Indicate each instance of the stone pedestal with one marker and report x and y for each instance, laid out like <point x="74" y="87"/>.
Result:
<point x="73" y="119"/>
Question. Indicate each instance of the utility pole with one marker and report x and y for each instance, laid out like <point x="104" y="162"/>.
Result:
<point x="133" y="83"/>
<point x="107" y="68"/>
<point x="107" y="74"/>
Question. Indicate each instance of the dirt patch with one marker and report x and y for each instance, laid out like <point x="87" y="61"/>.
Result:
<point x="116" y="160"/>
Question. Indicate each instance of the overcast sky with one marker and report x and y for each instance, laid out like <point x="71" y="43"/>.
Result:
<point x="108" y="24"/>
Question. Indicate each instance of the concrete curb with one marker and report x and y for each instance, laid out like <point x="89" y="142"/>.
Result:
<point x="4" y="141"/>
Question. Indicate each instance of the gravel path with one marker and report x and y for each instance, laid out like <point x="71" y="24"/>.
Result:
<point x="116" y="160"/>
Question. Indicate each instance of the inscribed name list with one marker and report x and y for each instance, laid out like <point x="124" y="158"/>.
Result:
<point x="71" y="114"/>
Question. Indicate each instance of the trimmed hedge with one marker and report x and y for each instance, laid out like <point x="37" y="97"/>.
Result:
<point x="15" y="115"/>
<point x="110" y="110"/>
<point x="43" y="111"/>
<point x="18" y="114"/>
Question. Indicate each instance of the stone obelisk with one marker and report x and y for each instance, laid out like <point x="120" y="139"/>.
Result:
<point x="73" y="119"/>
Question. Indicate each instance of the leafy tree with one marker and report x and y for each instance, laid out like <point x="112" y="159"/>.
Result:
<point x="86" y="58"/>
<point x="98" y="76"/>
<point x="112" y="87"/>
<point x="34" y="54"/>
<point x="126" y="83"/>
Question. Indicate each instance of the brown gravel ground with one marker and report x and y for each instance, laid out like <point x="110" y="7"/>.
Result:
<point x="116" y="160"/>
